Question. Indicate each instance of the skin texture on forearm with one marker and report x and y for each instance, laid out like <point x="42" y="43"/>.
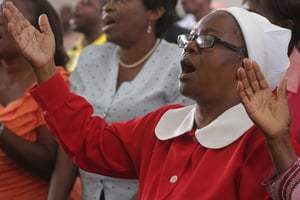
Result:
<point x="63" y="177"/>
<point x="37" y="157"/>
<point x="281" y="151"/>
<point x="44" y="73"/>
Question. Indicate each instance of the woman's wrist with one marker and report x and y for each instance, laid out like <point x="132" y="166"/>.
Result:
<point x="278" y="134"/>
<point x="45" y="73"/>
<point x="281" y="150"/>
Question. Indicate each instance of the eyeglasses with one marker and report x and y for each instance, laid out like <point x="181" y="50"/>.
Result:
<point x="206" y="41"/>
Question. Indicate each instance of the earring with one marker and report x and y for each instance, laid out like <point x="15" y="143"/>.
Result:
<point x="149" y="29"/>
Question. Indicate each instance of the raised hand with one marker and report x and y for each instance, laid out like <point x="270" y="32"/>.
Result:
<point x="269" y="112"/>
<point x="36" y="46"/>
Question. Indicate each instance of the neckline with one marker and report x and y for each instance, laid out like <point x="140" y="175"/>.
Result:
<point x="143" y="59"/>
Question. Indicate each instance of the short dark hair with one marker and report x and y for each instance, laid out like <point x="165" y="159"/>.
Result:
<point x="166" y="20"/>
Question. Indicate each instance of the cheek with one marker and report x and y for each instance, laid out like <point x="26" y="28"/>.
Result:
<point x="218" y="72"/>
<point x="139" y="17"/>
<point x="134" y="20"/>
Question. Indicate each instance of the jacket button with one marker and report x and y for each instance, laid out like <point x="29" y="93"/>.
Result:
<point x="173" y="179"/>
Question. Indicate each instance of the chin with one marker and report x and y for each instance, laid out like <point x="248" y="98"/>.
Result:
<point x="109" y="37"/>
<point x="183" y="90"/>
<point x="189" y="92"/>
<point x="113" y="38"/>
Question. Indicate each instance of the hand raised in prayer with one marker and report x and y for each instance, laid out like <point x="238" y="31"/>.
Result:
<point x="268" y="111"/>
<point x="36" y="46"/>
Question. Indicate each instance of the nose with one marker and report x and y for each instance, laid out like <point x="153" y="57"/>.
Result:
<point x="191" y="47"/>
<point x="108" y="6"/>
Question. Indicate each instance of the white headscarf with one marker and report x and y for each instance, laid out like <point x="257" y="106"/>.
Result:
<point x="266" y="43"/>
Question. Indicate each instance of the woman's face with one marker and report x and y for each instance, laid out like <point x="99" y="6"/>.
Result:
<point x="87" y="15"/>
<point x="124" y="21"/>
<point x="209" y="75"/>
<point x="191" y="6"/>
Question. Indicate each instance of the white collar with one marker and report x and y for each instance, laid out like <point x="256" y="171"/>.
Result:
<point x="221" y="132"/>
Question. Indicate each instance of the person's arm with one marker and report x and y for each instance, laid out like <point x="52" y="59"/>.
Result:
<point x="285" y="186"/>
<point x="271" y="114"/>
<point x="63" y="177"/>
<point x="70" y="117"/>
<point x="37" y="157"/>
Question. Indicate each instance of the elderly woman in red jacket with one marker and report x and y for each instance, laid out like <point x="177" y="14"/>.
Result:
<point x="210" y="150"/>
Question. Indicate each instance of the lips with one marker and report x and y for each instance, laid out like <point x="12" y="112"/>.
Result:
<point x="76" y="18"/>
<point x="187" y="67"/>
<point x="107" y="20"/>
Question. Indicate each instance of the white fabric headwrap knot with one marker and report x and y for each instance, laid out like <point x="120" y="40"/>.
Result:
<point x="266" y="43"/>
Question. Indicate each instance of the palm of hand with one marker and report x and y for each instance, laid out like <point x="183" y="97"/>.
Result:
<point x="34" y="45"/>
<point x="268" y="112"/>
<point x="37" y="47"/>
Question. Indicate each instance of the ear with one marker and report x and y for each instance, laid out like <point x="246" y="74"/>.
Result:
<point x="286" y="23"/>
<point x="156" y="13"/>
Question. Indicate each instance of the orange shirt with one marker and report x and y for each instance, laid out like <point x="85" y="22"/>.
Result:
<point x="22" y="117"/>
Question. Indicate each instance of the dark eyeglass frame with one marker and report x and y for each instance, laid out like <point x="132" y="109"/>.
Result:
<point x="183" y="39"/>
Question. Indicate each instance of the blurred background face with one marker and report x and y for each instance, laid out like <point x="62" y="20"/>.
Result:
<point x="191" y="6"/>
<point x="66" y="16"/>
<point x="125" y="21"/>
<point x="87" y="14"/>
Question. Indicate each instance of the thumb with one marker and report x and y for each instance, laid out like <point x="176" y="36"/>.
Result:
<point x="281" y="90"/>
<point x="44" y="24"/>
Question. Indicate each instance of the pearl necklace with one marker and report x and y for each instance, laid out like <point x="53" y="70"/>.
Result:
<point x="145" y="57"/>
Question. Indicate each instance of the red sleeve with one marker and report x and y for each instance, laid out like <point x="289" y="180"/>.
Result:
<point x="65" y="75"/>
<point x="109" y="149"/>
<point x="89" y="141"/>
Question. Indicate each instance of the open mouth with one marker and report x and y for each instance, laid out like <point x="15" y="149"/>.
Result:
<point x="107" y="20"/>
<point x="187" y="67"/>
